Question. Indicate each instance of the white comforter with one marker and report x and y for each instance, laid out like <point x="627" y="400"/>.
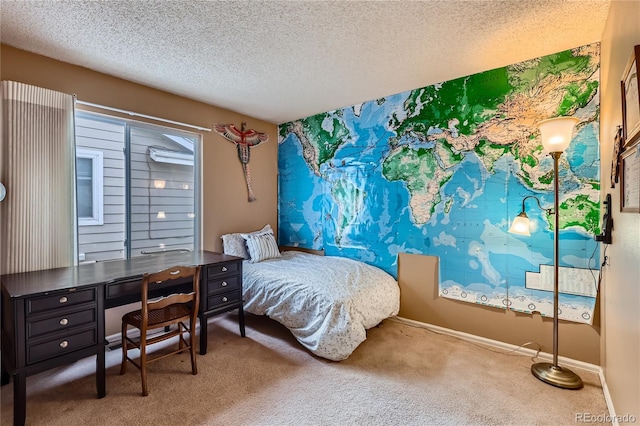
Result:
<point x="327" y="302"/>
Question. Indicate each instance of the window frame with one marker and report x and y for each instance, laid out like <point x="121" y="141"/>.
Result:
<point x="167" y="131"/>
<point x="97" y="184"/>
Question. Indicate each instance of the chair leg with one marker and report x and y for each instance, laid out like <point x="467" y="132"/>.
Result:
<point x="181" y="335"/>
<point x="123" y="365"/>
<point x="143" y="364"/>
<point x="192" y="347"/>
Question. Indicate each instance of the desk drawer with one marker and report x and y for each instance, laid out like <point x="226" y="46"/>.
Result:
<point x="134" y="287"/>
<point x="61" y="322"/>
<point x="222" y="299"/>
<point x="60" y="346"/>
<point x="60" y="300"/>
<point x="223" y="284"/>
<point x="223" y="268"/>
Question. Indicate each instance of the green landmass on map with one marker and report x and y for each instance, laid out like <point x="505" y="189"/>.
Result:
<point x="582" y="212"/>
<point x="320" y="135"/>
<point x="420" y="171"/>
<point x="469" y="100"/>
<point x="350" y="201"/>
<point x="413" y="166"/>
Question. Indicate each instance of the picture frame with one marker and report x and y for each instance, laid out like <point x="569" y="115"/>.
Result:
<point x="630" y="180"/>
<point x="630" y="95"/>
<point x="615" y="158"/>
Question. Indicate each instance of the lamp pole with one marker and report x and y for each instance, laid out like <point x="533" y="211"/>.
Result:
<point x="556" y="247"/>
<point x="553" y="374"/>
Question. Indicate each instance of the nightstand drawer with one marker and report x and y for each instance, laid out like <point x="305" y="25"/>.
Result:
<point x="61" y="322"/>
<point x="223" y="284"/>
<point x="60" y="300"/>
<point x="223" y="268"/>
<point x="61" y="346"/>
<point x="222" y="299"/>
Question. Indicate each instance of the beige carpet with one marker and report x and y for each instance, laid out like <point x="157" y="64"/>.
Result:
<point x="402" y="375"/>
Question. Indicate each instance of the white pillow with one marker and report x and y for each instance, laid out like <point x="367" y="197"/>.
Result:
<point x="261" y="247"/>
<point x="235" y="245"/>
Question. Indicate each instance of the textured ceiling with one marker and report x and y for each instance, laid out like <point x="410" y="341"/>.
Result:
<point x="284" y="60"/>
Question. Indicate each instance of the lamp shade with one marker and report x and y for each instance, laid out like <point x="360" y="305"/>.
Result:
<point x="557" y="132"/>
<point x="520" y="225"/>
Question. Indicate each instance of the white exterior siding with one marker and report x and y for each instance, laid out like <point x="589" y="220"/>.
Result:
<point x="101" y="242"/>
<point x="176" y="229"/>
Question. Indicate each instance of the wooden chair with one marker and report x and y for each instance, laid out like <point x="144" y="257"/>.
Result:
<point x="161" y="313"/>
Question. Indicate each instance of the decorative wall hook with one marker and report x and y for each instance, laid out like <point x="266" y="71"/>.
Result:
<point x="243" y="139"/>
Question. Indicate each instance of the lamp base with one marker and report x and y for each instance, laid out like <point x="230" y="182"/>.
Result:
<point x="556" y="375"/>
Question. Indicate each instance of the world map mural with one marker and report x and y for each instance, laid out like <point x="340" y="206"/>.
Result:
<point x="443" y="170"/>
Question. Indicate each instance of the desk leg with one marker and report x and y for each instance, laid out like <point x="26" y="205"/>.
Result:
<point x="19" y="398"/>
<point x="203" y="335"/>
<point x="241" y="321"/>
<point x="101" y="375"/>
<point x="5" y="377"/>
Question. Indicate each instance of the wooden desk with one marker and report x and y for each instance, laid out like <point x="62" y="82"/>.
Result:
<point x="54" y="317"/>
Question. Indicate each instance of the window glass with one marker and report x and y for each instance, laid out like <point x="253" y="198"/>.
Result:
<point x="89" y="186"/>
<point x="162" y="190"/>
<point x="85" y="187"/>
<point x="149" y="188"/>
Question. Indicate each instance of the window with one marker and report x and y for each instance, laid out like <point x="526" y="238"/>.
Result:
<point x="149" y="183"/>
<point x="89" y="186"/>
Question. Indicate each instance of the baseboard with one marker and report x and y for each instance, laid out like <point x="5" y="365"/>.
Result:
<point x="501" y="345"/>
<point x="607" y="398"/>
<point x="570" y="362"/>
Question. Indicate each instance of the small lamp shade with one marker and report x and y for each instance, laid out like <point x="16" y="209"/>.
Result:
<point x="161" y="215"/>
<point x="520" y="225"/>
<point x="557" y="132"/>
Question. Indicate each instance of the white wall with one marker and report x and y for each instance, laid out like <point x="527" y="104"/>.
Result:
<point x="620" y="290"/>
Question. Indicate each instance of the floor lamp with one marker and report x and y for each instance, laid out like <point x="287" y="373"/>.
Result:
<point x="556" y="134"/>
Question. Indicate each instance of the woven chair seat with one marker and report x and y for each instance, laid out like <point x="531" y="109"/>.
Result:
<point x="158" y="316"/>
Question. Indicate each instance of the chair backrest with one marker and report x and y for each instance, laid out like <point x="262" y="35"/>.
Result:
<point x="152" y="280"/>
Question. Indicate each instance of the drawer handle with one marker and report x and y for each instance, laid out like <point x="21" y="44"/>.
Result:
<point x="224" y="299"/>
<point x="64" y="344"/>
<point x="64" y="299"/>
<point x="64" y="321"/>
<point x="224" y="269"/>
<point x="224" y="284"/>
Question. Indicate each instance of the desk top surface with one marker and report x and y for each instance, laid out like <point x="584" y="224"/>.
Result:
<point x="48" y="280"/>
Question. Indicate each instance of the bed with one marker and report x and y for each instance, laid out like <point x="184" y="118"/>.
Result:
<point x="327" y="302"/>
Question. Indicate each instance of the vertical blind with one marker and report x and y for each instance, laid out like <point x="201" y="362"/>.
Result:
<point x="37" y="160"/>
